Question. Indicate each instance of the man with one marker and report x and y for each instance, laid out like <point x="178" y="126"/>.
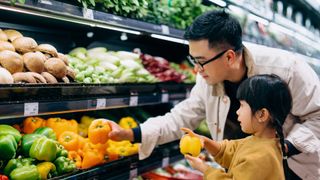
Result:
<point x="222" y="63"/>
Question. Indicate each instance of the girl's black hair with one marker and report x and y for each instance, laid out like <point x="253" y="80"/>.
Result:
<point x="272" y="93"/>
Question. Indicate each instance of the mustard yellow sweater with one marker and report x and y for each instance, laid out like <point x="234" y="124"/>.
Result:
<point x="250" y="158"/>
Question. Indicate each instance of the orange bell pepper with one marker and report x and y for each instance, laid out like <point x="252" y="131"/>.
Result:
<point x="69" y="140"/>
<point x="112" y="154"/>
<point x="73" y="155"/>
<point x="60" y="125"/>
<point x="32" y="123"/>
<point x="92" y="158"/>
<point x="98" y="131"/>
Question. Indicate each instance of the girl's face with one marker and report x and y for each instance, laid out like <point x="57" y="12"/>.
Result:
<point x="246" y="118"/>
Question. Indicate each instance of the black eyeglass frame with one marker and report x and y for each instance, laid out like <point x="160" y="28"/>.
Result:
<point x="194" y="61"/>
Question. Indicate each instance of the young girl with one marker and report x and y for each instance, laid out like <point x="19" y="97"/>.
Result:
<point x="265" y="102"/>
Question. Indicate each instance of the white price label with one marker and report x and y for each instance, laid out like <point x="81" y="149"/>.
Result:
<point x="165" y="97"/>
<point x="87" y="13"/>
<point x="46" y="2"/>
<point x="165" y="29"/>
<point x="101" y="103"/>
<point x="31" y="109"/>
<point x="133" y="173"/>
<point x="133" y="101"/>
<point x="165" y="162"/>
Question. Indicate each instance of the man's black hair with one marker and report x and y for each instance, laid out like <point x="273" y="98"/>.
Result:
<point x="218" y="27"/>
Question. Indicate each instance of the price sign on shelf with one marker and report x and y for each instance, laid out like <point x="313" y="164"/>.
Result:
<point x="46" y="2"/>
<point x="133" y="101"/>
<point x="101" y="103"/>
<point x="165" y="162"/>
<point x="31" y="109"/>
<point x="133" y="173"/>
<point x="165" y="29"/>
<point x="87" y="13"/>
<point x="164" y="97"/>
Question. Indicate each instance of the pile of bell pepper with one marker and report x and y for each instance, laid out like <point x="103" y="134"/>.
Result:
<point x="40" y="155"/>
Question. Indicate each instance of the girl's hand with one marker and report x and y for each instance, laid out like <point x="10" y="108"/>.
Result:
<point x="192" y="134"/>
<point x="197" y="163"/>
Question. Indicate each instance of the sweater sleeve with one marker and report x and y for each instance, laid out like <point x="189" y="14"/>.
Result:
<point x="227" y="150"/>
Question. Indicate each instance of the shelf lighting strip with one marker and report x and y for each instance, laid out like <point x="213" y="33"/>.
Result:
<point x="219" y="3"/>
<point x="177" y="40"/>
<point x="73" y="19"/>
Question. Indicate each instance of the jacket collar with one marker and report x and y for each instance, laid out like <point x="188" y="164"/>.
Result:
<point x="218" y="89"/>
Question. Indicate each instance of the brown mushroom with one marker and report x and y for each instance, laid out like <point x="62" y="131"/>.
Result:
<point x="12" y="61"/>
<point x="24" y="44"/>
<point x="56" y="67"/>
<point x="34" y="61"/>
<point x="5" y="76"/>
<point x="23" y="77"/>
<point x="49" y="78"/>
<point x="12" y="34"/>
<point x="71" y="73"/>
<point x="3" y="36"/>
<point x="48" y="49"/>
<point x="6" y="46"/>
<point x="38" y="77"/>
<point x="63" y="58"/>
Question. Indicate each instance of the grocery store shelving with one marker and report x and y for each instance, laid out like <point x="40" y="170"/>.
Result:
<point x="20" y="100"/>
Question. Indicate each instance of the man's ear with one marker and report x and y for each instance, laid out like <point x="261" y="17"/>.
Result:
<point x="263" y="115"/>
<point x="231" y="58"/>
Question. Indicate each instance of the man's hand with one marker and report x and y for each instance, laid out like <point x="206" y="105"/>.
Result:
<point x="118" y="133"/>
<point x="197" y="163"/>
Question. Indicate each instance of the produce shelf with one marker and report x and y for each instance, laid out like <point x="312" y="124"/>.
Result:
<point x="18" y="100"/>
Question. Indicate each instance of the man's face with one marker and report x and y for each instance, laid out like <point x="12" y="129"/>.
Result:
<point x="214" y="71"/>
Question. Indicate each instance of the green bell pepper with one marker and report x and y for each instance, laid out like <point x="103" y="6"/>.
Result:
<point x="6" y="129"/>
<point x="8" y="146"/>
<point x="15" y="163"/>
<point x="27" y="141"/>
<point x="25" y="173"/>
<point x="46" y="131"/>
<point x="61" y="151"/>
<point x="43" y="149"/>
<point x="64" y="165"/>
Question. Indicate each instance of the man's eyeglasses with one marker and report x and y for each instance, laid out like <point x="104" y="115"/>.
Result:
<point x="194" y="61"/>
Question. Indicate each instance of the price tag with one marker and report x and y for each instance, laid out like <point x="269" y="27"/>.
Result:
<point x="133" y="100"/>
<point x="165" y="29"/>
<point x="101" y="103"/>
<point x="31" y="109"/>
<point x="133" y="173"/>
<point x="87" y="13"/>
<point x="46" y="2"/>
<point x="165" y="97"/>
<point x="165" y="162"/>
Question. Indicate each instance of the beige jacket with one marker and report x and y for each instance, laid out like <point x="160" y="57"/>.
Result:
<point x="302" y="127"/>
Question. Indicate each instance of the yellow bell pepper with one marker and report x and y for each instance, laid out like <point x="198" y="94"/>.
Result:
<point x="128" y="123"/>
<point x="190" y="145"/>
<point x="46" y="170"/>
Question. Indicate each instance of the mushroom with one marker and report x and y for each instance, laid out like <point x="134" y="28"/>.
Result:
<point x="63" y="58"/>
<point x="3" y="36"/>
<point x="37" y="77"/>
<point x="12" y="61"/>
<point x="65" y="79"/>
<point x="49" y="78"/>
<point x="71" y="73"/>
<point x="56" y="67"/>
<point x="34" y="61"/>
<point x="12" y="34"/>
<point x="48" y="49"/>
<point x="24" y="44"/>
<point x="23" y="77"/>
<point x="5" y="76"/>
<point x="4" y="45"/>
